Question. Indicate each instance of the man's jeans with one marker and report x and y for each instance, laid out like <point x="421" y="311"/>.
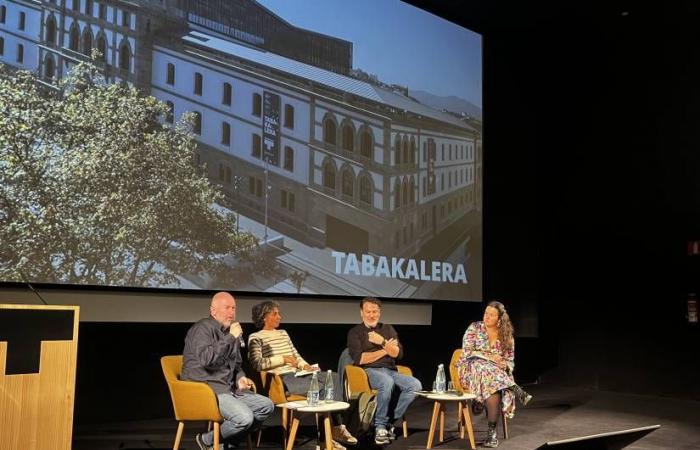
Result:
<point x="384" y="381"/>
<point x="239" y="411"/>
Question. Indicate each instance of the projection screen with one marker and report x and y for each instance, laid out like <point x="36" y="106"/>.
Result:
<point x="308" y="147"/>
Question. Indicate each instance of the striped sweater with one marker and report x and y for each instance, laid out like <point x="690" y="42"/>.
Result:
<point x="266" y="351"/>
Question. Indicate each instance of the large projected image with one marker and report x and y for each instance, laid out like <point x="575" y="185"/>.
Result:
<point x="305" y="147"/>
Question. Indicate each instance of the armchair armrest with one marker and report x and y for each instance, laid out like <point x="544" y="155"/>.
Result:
<point x="273" y="386"/>
<point x="405" y="370"/>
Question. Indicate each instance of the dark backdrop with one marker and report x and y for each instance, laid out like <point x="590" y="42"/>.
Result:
<point x="597" y="111"/>
<point x="592" y="116"/>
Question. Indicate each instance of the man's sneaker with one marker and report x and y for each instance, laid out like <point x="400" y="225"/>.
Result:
<point x="341" y="434"/>
<point x="200" y="442"/>
<point x="392" y="434"/>
<point x="381" y="437"/>
<point x="337" y="445"/>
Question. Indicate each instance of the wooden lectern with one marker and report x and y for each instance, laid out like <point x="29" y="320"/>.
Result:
<point x="38" y="356"/>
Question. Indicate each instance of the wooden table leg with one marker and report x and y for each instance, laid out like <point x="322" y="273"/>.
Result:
<point x="318" y="430"/>
<point x="292" y="433"/>
<point x="441" y="436"/>
<point x="460" y="420"/>
<point x="468" y="423"/>
<point x="327" y="430"/>
<point x="285" y="427"/>
<point x="433" y="420"/>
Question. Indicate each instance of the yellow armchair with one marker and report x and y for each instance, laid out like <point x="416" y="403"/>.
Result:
<point x="192" y="400"/>
<point x="356" y="382"/>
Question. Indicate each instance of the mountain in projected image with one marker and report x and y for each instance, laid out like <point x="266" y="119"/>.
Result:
<point x="451" y="103"/>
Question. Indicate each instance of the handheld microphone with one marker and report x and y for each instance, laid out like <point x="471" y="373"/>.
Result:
<point x="240" y="336"/>
<point x="31" y="288"/>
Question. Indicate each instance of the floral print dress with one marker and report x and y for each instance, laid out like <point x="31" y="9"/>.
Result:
<point x="479" y="375"/>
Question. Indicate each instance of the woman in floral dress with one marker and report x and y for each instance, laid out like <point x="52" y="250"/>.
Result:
<point x="486" y="366"/>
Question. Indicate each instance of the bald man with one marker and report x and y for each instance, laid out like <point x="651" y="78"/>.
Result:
<point x="212" y="355"/>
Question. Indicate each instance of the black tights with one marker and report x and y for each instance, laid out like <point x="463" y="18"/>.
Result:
<point x="493" y="407"/>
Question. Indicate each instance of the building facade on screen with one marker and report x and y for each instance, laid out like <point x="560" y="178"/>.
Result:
<point x="352" y="165"/>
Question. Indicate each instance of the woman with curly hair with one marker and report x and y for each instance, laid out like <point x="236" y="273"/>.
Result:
<point x="486" y="367"/>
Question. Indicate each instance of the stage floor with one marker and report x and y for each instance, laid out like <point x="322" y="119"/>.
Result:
<point x="554" y="413"/>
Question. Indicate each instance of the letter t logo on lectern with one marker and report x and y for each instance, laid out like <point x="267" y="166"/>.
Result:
<point x="25" y="329"/>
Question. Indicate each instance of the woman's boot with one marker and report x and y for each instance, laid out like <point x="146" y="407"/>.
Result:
<point x="521" y="395"/>
<point x="491" y="439"/>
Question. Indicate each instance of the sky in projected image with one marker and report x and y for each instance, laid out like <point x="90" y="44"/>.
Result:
<point x="398" y="42"/>
<point x="321" y="148"/>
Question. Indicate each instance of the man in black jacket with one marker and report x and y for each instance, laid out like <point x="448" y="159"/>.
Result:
<point x="212" y="355"/>
<point x="375" y="347"/>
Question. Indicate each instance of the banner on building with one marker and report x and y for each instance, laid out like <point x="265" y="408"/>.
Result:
<point x="271" y="128"/>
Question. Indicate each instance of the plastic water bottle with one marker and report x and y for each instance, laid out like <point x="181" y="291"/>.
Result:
<point x="312" y="394"/>
<point x="440" y="379"/>
<point x="329" y="387"/>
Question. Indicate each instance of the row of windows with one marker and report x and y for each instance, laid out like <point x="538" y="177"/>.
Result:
<point x="101" y="11"/>
<point x="458" y="154"/>
<point x="460" y="177"/>
<point x="461" y="152"/>
<point x="405" y="151"/>
<point x="287" y="199"/>
<point x="455" y="204"/>
<point x="288" y="161"/>
<point x="348" y="137"/>
<point x="404" y="192"/>
<point x="20" y="50"/>
<point x="446" y="208"/>
<point x="347" y="183"/>
<point x="458" y="180"/>
<point x="21" y="18"/>
<point x="227" y="95"/>
<point x="256" y="147"/>
<point x="85" y="44"/>
<point x="404" y="148"/>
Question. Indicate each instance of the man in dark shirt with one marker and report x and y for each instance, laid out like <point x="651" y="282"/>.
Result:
<point x="213" y="355"/>
<point x="375" y="347"/>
